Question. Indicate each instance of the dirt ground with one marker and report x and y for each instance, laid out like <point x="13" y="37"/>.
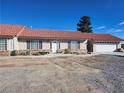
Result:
<point x="63" y="74"/>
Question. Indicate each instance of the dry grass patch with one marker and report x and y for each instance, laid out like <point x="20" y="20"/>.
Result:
<point x="72" y="74"/>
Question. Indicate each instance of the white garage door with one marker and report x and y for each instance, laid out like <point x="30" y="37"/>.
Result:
<point x="105" y="47"/>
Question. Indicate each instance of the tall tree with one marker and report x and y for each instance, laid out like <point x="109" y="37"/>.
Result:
<point x="90" y="45"/>
<point x="84" y="25"/>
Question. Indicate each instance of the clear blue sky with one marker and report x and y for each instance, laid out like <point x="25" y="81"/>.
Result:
<point x="107" y="16"/>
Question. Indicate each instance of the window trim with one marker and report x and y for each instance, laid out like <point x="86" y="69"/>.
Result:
<point x="34" y="47"/>
<point x="75" y="43"/>
<point x="3" y="44"/>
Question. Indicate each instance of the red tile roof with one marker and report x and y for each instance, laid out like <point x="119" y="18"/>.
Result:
<point x="11" y="30"/>
<point x="101" y="37"/>
<point x="51" y="34"/>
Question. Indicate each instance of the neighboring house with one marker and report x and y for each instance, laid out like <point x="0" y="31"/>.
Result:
<point x="17" y="37"/>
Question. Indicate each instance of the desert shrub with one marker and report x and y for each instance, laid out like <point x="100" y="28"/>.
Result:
<point x="23" y="53"/>
<point x="36" y="53"/>
<point x="119" y="50"/>
<point x="60" y="51"/>
<point x="67" y="51"/>
<point x="13" y="53"/>
<point x="27" y="52"/>
<point x="43" y="53"/>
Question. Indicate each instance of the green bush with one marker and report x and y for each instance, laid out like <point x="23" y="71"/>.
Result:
<point x="67" y="51"/>
<point x="36" y="53"/>
<point x="27" y="52"/>
<point x="13" y="53"/>
<point x="23" y="53"/>
<point x="43" y="53"/>
<point x="119" y="50"/>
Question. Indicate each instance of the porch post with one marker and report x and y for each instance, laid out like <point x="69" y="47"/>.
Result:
<point x="15" y="43"/>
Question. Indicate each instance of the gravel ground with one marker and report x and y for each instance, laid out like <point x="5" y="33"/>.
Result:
<point x="62" y="74"/>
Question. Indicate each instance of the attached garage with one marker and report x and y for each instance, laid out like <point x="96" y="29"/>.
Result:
<point x="122" y="44"/>
<point x="105" y="47"/>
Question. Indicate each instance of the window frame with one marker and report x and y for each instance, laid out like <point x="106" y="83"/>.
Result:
<point x="3" y="44"/>
<point x="34" y="44"/>
<point x="74" y="44"/>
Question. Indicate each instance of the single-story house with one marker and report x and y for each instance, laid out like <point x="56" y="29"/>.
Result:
<point x="18" y="37"/>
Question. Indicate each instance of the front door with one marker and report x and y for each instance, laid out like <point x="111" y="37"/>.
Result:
<point x="54" y="46"/>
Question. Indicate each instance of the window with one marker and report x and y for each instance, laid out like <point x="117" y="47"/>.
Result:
<point x="74" y="45"/>
<point x="34" y="44"/>
<point x="3" y="44"/>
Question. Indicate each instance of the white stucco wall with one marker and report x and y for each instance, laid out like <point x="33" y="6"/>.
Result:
<point x="15" y="42"/>
<point x="22" y="45"/>
<point x="45" y="45"/>
<point x="10" y="44"/>
<point x="83" y="44"/>
<point x="63" y="44"/>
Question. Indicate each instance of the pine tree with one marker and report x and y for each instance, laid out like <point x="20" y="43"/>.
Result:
<point x="84" y="25"/>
